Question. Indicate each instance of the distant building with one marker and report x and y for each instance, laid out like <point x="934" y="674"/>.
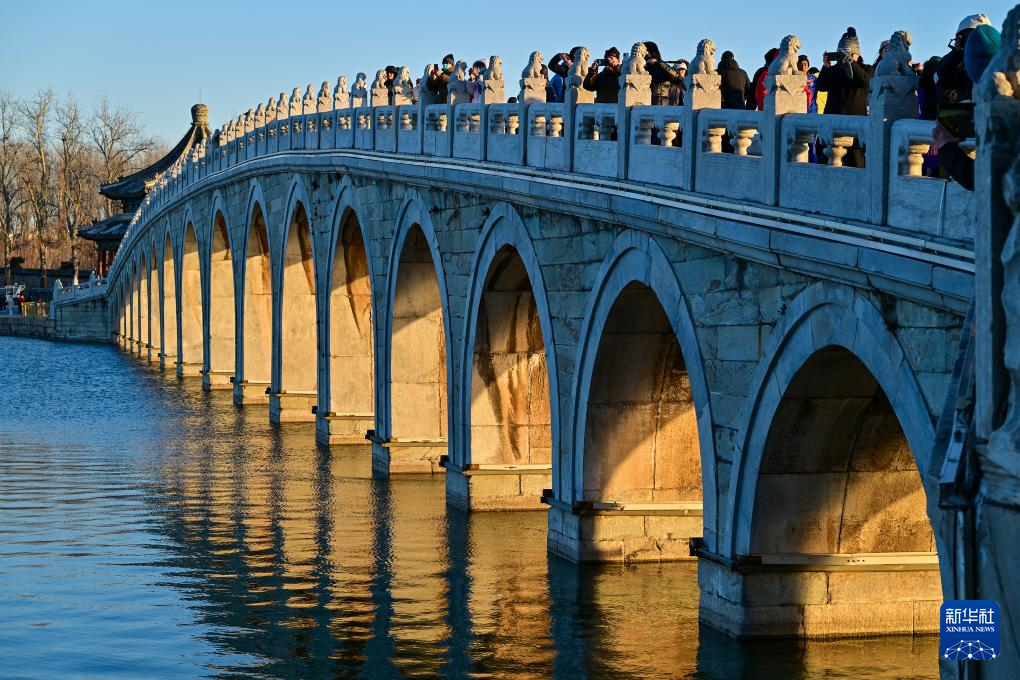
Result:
<point x="131" y="191"/>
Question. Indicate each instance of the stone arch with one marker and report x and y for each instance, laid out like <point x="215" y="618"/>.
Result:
<point x="295" y="343"/>
<point x="168" y="267"/>
<point x="255" y="350"/>
<point x="641" y="430"/>
<point x="413" y="394"/>
<point x="823" y="317"/>
<point x="509" y="397"/>
<point x="142" y="273"/>
<point x="835" y="411"/>
<point x="221" y="315"/>
<point x="347" y="391"/>
<point x="131" y="323"/>
<point x="191" y="360"/>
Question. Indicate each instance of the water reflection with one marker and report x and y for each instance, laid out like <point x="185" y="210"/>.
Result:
<point x="155" y="530"/>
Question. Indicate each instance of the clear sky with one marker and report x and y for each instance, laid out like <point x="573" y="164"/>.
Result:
<point x="156" y="57"/>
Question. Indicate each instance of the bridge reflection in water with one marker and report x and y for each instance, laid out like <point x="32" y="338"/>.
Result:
<point x="159" y="530"/>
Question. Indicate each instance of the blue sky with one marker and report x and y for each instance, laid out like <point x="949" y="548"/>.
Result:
<point x="157" y="57"/>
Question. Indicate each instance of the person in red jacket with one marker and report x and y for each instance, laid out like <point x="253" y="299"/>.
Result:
<point x="759" y="81"/>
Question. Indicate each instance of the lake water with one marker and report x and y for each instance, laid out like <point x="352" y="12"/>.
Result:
<point x="151" y="530"/>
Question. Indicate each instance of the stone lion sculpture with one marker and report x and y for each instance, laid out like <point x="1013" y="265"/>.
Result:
<point x="404" y="85"/>
<point x="260" y="115"/>
<point x="896" y="61"/>
<point x="459" y="72"/>
<point x="360" y="82"/>
<point x="534" y="67"/>
<point x="271" y="110"/>
<point x="495" y="70"/>
<point x="635" y="62"/>
<point x="1002" y="75"/>
<point x="309" y="100"/>
<point x="295" y="102"/>
<point x="785" y="63"/>
<point x="282" y="106"/>
<point x="325" y="102"/>
<point x="380" y="79"/>
<point x="578" y="71"/>
<point x="249" y="120"/>
<point x="704" y="59"/>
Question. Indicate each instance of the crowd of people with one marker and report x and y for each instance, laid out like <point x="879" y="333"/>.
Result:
<point x="840" y="86"/>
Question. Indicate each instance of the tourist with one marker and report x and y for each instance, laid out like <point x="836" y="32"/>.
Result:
<point x="735" y="85"/>
<point x="982" y="45"/>
<point x="560" y="65"/>
<point x="820" y="97"/>
<point x="605" y="83"/>
<point x="927" y="97"/>
<point x="391" y="78"/>
<point x="882" y="49"/>
<point x="758" y="81"/>
<point x="439" y="79"/>
<point x="847" y="80"/>
<point x="677" y="91"/>
<point x="663" y="75"/>
<point x="476" y="81"/>
<point x="952" y="84"/>
<point x="810" y="88"/>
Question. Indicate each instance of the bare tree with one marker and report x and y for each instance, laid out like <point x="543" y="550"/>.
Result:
<point x="37" y="172"/>
<point x="12" y="194"/>
<point x="118" y="138"/>
<point x="75" y="178"/>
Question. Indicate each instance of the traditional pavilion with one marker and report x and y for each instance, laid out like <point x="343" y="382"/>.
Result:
<point x="131" y="191"/>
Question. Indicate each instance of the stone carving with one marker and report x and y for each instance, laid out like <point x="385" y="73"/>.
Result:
<point x="704" y="59"/>
<point x="295" y="102"/>
<point x="260" y="114"/>
<point x="403" y="88"/>
<point x="309" y="102"/>
<point x="283" y="106"/>
<point x="359" y="93"/>
<point x="896" y="61"/>
<point x="575" y="77"/>
<point x="495" y="70"/>
<point x="271" y="110"/>
<point x="380" y="79"/>
<point x="458" y="84"/>
<point x="785" y="63"/>
<point x="249" y="120"/>
<point x="635" y="62"/>
<point x="1002" y="75"/>
<point x="1008" y="436"/>
<point x="534" y="68"/>
<point x="341" y="98"/>
<point x="325" y="102"/>
<point x="380" y="93"/>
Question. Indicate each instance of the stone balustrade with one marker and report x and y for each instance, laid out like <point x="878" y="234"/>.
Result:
<point x="779" y="157"/>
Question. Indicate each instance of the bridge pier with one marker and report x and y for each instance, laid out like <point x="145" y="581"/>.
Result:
<point x="636" y="532"/>
<point x="189" y="369"/>
<point x="250" y="392"/>
<point x="817" y="595"/>
<point x="395" y="456"/>
<point x="291" y="407"/>
<point x="217" y="380"/>
<point x="338" y="429"/>
<point x="497" y="487"/>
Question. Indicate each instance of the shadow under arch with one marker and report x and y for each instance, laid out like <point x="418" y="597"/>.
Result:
<point x="191" y="360"/>
<point x="346" y="406"/>
<point x="168" y="304"/>
<point x="508" y="393"/>
<point x="295" y="337"/>
<point x="672" y="418"/>
<point x="832" y="459"/>
<point x="414" y="243"/>
<point x="221" y="317"/>
<point x="254" y="345"/>
<point x="155" y="299"/>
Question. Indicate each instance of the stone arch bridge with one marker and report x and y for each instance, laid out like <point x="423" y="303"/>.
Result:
<point x="665" y="326"/>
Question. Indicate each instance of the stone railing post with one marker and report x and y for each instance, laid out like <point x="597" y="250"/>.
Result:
<point x="574" y="94"/>
<point x="533" y="87"/>
<point x="703" y="92"/>
<point x="493" y="92"/>
<point x="635" y="90"/>
<point x="784" y="94"/>
<point x="893" y="96"/>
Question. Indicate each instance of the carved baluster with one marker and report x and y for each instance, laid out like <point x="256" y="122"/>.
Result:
<point x="538" y="126"/>
<point x="405" y="121"/>
<point x="513" y="122"/>
<point x="837" y="150"/>
<point x="442" y="123"/>
<point x="497" y="122"/>
<point x="607" y="126"/>
<point x="742" y="140"/>
<point x="556" y="126"/>
<point x="462" y="121"/>
<point x="669" y="132"/>
<point x="915" y="157"/>
<point x="799" y="146"/>
<point x="475" y="122"/>
<point x="715" y="134"/>
<point x="643" y="131"/>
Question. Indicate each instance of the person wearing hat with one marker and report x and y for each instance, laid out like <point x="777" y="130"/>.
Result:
<point x="439" y="79"/>
<point x="735" y="84"/>
<point x="605" y="83"/>
<point x="952" y="84"/>
<point x="476" y="80"/>
<point x="391" y="77"/>
<point x="846" y="81"/>
<point x="663" y="75"/>
<point x="678" y="90"/>
<point x="982" y="45"/>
